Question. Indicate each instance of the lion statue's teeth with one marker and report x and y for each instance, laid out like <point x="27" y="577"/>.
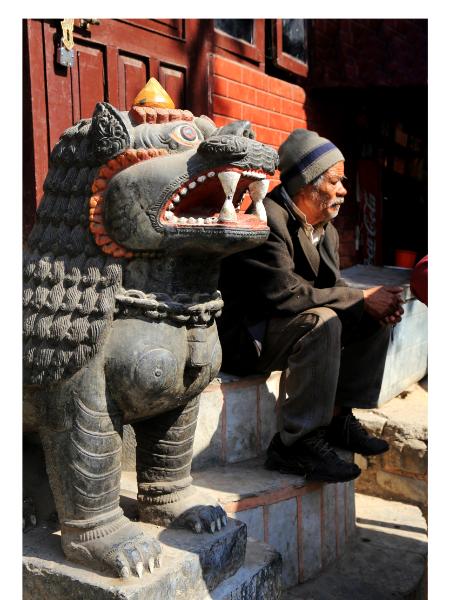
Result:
<point x="258" y="190"/>
<point x="229" y="181"/>
<point x="227" y="212"/>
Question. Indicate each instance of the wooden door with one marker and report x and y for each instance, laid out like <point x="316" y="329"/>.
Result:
<point x="113" y="60"/>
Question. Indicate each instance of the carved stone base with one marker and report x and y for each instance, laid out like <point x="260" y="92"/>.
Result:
<point x="191" y="565"/>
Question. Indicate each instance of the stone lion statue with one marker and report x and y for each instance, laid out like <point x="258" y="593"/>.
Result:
<point x="120" y="296"/>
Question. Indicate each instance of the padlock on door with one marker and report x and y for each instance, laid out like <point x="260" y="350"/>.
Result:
<point x="65" y="53"/>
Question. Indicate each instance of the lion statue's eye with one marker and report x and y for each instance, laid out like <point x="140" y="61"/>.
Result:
<point x="188" y="133"/>
<point x="185" y="134"/>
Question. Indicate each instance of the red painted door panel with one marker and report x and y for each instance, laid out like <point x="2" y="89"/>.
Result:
<point x="88" y="80"/>
<point x="133" y="75"/>
<point x="58" y="95"/>
<point x="173" y="81"/>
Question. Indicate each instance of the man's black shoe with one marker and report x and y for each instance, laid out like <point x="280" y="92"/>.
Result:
<point x="345" y="431"/>
<point x="311" y="457"/>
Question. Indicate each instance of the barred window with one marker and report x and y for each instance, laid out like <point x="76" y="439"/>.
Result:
<point x="242" y="29"/>
<point x="290" y="45"/>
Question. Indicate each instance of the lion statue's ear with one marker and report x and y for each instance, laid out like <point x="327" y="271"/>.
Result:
<point x="111" y="132"/>
<point x="206" y="125"/>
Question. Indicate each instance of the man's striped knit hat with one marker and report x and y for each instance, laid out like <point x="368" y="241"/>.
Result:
<point x="304" y="156"/>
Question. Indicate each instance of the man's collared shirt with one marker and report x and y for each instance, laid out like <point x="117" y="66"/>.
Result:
<point x="314" y="234"/>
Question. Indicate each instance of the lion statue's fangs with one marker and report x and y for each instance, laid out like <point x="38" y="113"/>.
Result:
<point x="120" y="296"/>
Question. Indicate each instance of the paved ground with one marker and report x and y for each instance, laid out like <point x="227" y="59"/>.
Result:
<point x="386" y="561"/>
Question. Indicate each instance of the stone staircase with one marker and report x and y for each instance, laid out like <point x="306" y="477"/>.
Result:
<point x="309" y="524"/>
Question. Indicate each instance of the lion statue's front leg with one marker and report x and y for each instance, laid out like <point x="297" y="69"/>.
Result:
<point x="156" y="385"/>
<point x="144" y="376"/>
<point x="163" y="464"/>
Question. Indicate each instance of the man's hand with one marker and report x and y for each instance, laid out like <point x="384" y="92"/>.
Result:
<point x="394" y="318"/>
<point x="384" y="303"/>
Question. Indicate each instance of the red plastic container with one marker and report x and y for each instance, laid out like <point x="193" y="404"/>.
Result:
<point x="405" y="258"/>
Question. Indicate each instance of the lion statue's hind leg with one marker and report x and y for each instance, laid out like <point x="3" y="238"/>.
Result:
<point x="82" y="442"/>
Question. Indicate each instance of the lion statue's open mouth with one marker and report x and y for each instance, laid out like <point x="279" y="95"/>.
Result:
<point x="189" y="180"/>
<point x="197" y="201"/>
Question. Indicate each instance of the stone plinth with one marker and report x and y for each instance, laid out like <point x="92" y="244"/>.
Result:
<point x="191" y="565"/>
<point x="259" y="578"/>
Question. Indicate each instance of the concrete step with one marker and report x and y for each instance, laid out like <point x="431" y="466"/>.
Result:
<point x="237" y="419"/>
<point x="309" y="524"/>
<point x="191" y="565"/>
<point x="386" y="559"/>
<point x="259" y="578"/>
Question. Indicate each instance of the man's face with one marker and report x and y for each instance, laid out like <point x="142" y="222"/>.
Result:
<point x="321" y="203"/>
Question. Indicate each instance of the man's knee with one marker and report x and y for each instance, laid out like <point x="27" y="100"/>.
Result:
<point x="323" y="326"/>
<point x="326" y="318"/>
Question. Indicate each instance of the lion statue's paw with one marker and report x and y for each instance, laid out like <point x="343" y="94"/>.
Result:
<point x="127" y="552"/>
<point x="193" y="510"/>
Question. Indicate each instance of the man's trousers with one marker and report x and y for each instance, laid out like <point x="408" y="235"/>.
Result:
<point x="325" y="364"/>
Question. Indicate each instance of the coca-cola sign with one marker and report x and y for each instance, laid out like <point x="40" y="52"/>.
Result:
<point x="369" y="198"/>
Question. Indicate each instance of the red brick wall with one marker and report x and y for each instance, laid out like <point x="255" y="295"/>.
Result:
<point x="274" y="107"/>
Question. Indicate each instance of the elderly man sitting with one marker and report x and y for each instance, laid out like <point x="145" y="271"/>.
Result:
<point x="287" y="308"/>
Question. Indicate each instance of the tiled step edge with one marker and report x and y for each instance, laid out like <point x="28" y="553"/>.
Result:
<point x="308" y="523"/>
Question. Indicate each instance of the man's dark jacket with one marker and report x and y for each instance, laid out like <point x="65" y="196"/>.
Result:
<point x="282" y="277"/>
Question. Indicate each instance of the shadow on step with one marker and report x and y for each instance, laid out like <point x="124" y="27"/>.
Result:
<point x="388" y="525"/>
